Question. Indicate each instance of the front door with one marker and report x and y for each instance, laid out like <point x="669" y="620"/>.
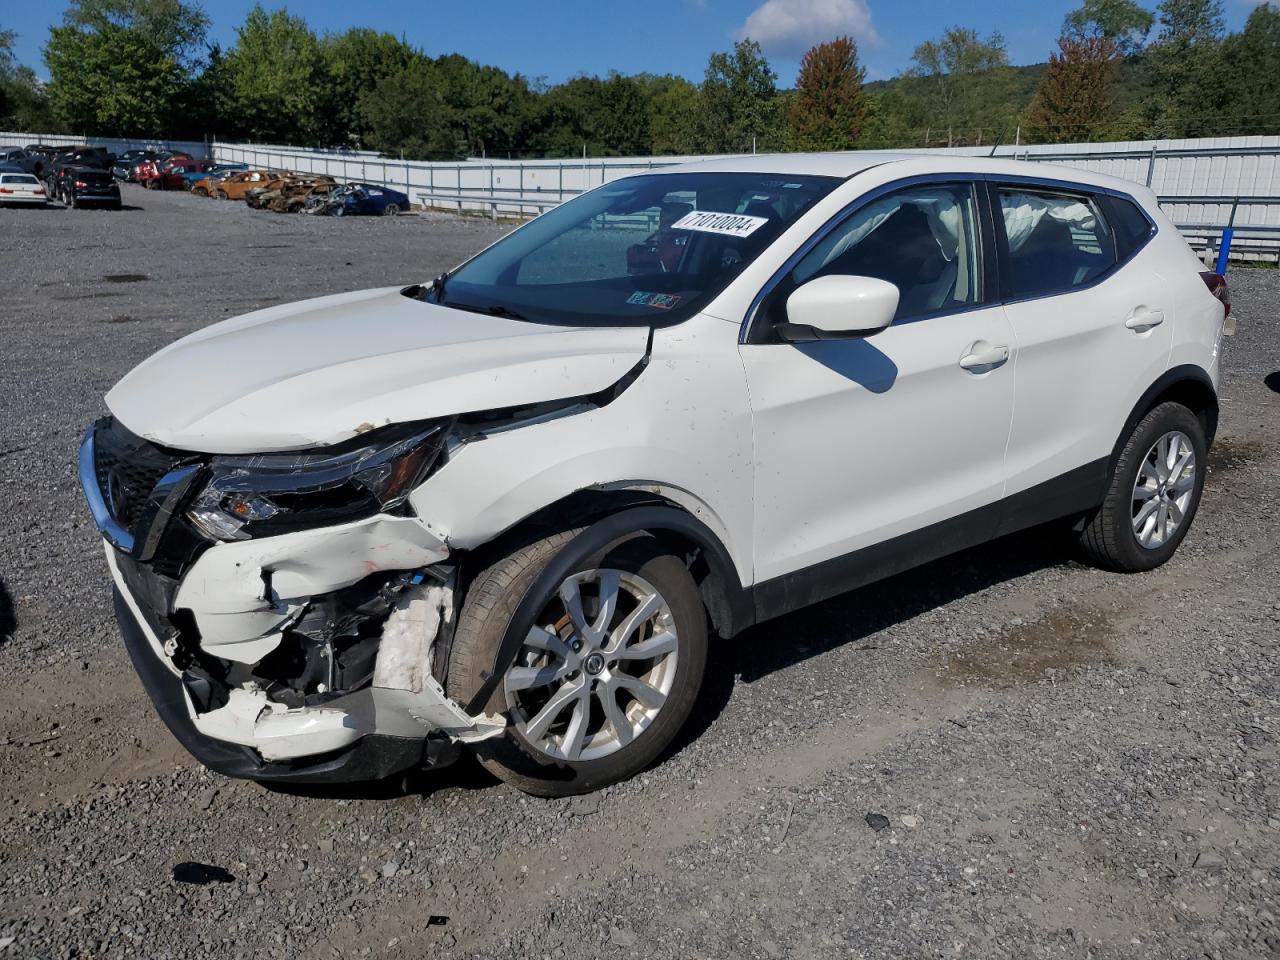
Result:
<point x="860" y="442"/>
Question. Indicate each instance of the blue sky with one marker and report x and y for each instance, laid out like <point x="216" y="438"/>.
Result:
<point x="557" y="39"/>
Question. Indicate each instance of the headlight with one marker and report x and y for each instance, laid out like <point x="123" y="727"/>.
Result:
<point x="265" y="494"/>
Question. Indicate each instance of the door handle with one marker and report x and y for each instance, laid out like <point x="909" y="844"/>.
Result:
<point x="985" y="360"/>
<point x="1143" y="319"/>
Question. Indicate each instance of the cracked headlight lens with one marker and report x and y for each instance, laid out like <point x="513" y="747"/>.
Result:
<point x="266" y="494"/>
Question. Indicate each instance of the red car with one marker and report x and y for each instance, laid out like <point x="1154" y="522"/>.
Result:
<point x="166" y="174"/>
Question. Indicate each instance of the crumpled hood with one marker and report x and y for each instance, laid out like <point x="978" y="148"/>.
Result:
<point x="320" y="371"/>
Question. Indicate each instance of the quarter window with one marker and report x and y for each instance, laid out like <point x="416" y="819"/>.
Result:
<point x="1056" y="242"/>
<point x="921" y="239"/>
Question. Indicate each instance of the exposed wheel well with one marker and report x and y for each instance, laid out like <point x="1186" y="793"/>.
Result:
<point x="728" y="604"/>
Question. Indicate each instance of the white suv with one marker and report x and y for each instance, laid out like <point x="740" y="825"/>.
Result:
<point x="506" y="508"/>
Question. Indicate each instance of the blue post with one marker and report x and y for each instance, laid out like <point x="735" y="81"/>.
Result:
<point x="1224" y="250"/>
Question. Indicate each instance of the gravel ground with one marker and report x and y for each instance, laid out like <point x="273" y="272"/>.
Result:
<point x="1005" y="754"/>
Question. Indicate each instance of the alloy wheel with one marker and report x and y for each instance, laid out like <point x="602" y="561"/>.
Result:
<point x="1163" y="490"/>
<point x="597" y="667"/>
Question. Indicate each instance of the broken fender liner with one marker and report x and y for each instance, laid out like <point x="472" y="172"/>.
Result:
<point x="371" y="758"/>
<point x="596" y="538"/>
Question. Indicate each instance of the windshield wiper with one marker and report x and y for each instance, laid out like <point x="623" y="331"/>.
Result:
<point x="493" y="310"/>
<point x="498" y="310"/>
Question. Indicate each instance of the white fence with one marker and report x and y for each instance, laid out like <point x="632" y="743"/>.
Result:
<point x="1203" y="184"/>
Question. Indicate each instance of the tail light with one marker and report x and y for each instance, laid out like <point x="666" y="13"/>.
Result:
<point x="81" y="184"/>
<point x="1217" y="285"/>
<point x="39" y="191"/>
<point x="5" y="190"/>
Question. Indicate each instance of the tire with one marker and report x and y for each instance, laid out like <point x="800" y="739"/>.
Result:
<point x="222" y="195"/>
<point x="1140" y="524"/>
<point x="200" y="191"/>
<point x="526" y="761"/>
<point x="391" y="209"/>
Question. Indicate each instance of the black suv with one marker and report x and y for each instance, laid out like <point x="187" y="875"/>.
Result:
<point x="82" y="186"/>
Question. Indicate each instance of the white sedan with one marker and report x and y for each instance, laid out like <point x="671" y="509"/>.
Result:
<point x="21" y="188"/>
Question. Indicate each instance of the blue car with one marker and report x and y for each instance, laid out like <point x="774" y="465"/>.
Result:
<point x="370" y="199"/>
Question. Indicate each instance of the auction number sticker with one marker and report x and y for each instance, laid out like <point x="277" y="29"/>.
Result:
<point x="729" y="224"/>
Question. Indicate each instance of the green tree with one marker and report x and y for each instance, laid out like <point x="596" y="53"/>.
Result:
<point x="1245" y="87"/>
<point x="1181" y="65"/>
<point x="829" y="107"/>
<point x="275" y="82"/>
<point x="406" y="113"/>
<point x="1122" y="21"/>
<point x="357" y="61"/>
<point x="966" y="85"/>
<point x="120" y="67"/>
<point x="606" y="117"/>
<point x="487" y="104"/>
<point x="740" y="103"/>
<point x="673" y="110"/>
<point x="1076" y="97"/>
<point x="23" y="104"/>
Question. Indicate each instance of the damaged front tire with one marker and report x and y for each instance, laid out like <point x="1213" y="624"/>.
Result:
<point x="604" y="678"/>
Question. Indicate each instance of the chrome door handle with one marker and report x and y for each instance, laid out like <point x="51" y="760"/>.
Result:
<point x="986" y="360"/>
<point x="1143" y="319"/>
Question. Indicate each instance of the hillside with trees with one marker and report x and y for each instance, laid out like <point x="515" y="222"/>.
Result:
<point x="1120" y="70"/>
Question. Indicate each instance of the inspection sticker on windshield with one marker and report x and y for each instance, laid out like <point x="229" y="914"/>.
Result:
<point x="729" y="224"/>
<point x="659" y="301"/>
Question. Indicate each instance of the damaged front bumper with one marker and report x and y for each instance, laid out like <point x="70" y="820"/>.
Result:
<point x="303" y="657"/>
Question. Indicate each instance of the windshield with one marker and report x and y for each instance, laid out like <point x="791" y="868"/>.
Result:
<point x="652" y="249"/>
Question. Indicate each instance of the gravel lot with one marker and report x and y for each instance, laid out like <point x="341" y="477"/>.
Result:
<point x="1065" y="763"/>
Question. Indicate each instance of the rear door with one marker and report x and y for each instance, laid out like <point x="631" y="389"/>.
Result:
<point x="1093" y="322"/>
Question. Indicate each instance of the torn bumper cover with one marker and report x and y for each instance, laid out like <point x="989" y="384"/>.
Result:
<point x="305" y="656"/>
<point x="401" y="719"/>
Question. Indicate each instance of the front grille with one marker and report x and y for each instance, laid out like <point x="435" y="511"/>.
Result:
<point x="128" y="469"/>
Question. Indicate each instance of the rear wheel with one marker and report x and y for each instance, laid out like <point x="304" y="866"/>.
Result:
<point x="605" y="678"/>
<point x="1154" y="492"/>
<point x="391" y="209"/>
<point x="222" y="195"/>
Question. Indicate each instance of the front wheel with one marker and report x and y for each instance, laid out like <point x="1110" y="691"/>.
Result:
<point x="1154" y="492"/>
<point x="606" y="677"/>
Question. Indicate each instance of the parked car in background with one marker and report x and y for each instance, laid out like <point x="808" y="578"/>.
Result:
<point x="193" y="177"/>
<point x="88" y="186"/>
<point x="151" y="174"/>
<point x="293" y="198"/>
<point x="237" y="185"/>
<point x="354" y="199"/>
<point x="261" y="197"/>
<point x="173" y="175"/>
<point x="16" y="158"/>
<point x="126" y="164"/>
<point x="39" y="157"/>
<point x="502" y="509"/>
<point x="23" y="189"/>
<point x="98" y="158"/>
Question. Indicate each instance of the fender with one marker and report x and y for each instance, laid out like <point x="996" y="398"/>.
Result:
<point x="735" y="613"/>
<point x="1185" y="382"/>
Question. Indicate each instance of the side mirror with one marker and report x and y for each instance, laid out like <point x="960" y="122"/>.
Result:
<point x="839" y="308"/>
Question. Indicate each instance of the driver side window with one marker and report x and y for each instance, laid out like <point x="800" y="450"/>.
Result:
<point x="922" y="239"/>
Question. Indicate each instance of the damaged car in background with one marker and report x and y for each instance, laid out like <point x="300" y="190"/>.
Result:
<point x="504" y="510"/>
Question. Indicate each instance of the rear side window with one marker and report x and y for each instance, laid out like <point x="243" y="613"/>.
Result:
<point x="1131" y="226"/>
<point x="1057" y="241"/>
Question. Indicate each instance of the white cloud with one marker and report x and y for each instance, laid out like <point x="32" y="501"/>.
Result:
<point x="787" y="28"/>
